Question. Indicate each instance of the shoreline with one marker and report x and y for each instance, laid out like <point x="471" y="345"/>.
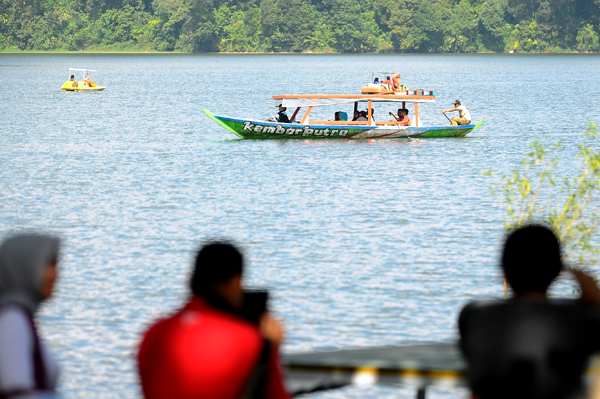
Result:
<point x="273" y="53"/>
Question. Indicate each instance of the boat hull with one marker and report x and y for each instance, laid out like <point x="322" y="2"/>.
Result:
<point x="69" y="85"/>
<point x="84" y="89"/>
<point x="253" y="129"/>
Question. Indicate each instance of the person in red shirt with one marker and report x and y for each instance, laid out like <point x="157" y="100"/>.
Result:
<point x="402" y="119"/>
<point x="207" y="349"/>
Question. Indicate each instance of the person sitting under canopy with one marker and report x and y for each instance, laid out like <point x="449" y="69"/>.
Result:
<point x="402" y="119"/>
<point x="281" y="116"/>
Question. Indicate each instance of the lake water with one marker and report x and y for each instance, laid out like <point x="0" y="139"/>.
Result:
<point x="362" y="243"/>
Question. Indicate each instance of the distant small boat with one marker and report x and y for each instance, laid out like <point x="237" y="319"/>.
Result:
<point x="83" y="85"/>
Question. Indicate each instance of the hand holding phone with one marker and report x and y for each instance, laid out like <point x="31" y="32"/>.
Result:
<point x="254" y="305"/>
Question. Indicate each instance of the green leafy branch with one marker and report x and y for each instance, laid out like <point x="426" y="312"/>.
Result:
<point x="534" y="191"/>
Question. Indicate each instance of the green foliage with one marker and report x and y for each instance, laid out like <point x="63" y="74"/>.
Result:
<point x="534" y="192"/>
<point x="525" y="37"/>
<point x="345" y="26"/>
<point x="587" y="39"/>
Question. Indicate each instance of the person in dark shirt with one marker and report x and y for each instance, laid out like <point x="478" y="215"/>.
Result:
<point x="281" y="116"/>
<point x="362" y="116"/>
<point x="530" y="346"/>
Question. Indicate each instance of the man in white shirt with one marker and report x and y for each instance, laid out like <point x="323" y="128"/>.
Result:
<point x="464" y="117"/>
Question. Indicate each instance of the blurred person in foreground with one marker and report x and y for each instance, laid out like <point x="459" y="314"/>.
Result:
<point x="27" y="276"/>
<point x="530" y="346"/>
<point x="207" y="349"/>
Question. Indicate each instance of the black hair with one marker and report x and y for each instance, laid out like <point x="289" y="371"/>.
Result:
<point x="363" y="113"/>
<point x="216" y="262"/>
<point x="72" y="76"/>
<point x="405" y="110"/>
<point x="387" y="77"/>
<point x="531" y="258"/>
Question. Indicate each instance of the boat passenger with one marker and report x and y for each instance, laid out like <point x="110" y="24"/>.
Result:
<point x="388" y="82"/>
<point x="363" y="116"/>
<point x="27" y="275"/>
<point x="86" y="82"/>
<point x="281" y="116"/>
<point x="74" y="84"/>
<point x="464" y="117"/>
<point x="531" y="346"/>
<point x="343" y="116"/>
<point x="376" y="81"/>
<point x="402" y="119"/>
<point x="356" y="116"/>
<point x="337" y="116"/>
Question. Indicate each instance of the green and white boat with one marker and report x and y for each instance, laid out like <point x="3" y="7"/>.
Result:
<point x="305" y="128"/>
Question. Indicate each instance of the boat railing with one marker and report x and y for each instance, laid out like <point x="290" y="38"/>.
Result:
<point x="339" y="122"/>
<point x="378" y="123"/>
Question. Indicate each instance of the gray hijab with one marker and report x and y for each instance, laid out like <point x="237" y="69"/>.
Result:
<point x="23" y="262"/>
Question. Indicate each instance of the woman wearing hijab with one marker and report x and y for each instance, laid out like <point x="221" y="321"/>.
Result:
<point x="27" y="276"/>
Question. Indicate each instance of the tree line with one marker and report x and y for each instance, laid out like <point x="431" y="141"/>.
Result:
<point x="341" y="26"/>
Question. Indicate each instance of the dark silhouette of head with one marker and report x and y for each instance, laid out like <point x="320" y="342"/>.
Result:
<point x="216" y="262"/>
<point x="531" y="258"/>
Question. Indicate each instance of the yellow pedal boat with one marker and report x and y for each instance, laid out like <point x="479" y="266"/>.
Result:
<point x="83" y="85"/>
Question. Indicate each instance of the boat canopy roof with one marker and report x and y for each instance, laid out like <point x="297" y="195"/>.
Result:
<point x="307" y="100"/>
<point x="81" y="70"/>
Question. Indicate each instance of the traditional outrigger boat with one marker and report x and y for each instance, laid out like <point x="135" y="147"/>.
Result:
<point x="85" y="84"/>
<point x="305" y="128"/>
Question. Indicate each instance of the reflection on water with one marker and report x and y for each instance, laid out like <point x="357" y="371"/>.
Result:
<point x="362" y="242"/>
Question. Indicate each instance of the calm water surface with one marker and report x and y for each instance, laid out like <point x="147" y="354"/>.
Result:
<point x="361" y="243"/>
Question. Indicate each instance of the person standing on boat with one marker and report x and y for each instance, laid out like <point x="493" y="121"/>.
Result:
<point x="464" y="117"/>
<point x="402" y="119"/>
<point x="281" y="116"/>
<point x="207" y="349"/>
<point x="27" y="275"/>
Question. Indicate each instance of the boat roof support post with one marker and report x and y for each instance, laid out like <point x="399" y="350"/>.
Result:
<point x="417" y="114"/>
<point x="370" y="111"/>
<point x="404" y="104"/>
<point x="305" y="117"/>
<point x="294" y="115"/>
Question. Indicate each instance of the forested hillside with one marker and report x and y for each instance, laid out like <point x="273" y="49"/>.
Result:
<point x="346" y="26"/>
